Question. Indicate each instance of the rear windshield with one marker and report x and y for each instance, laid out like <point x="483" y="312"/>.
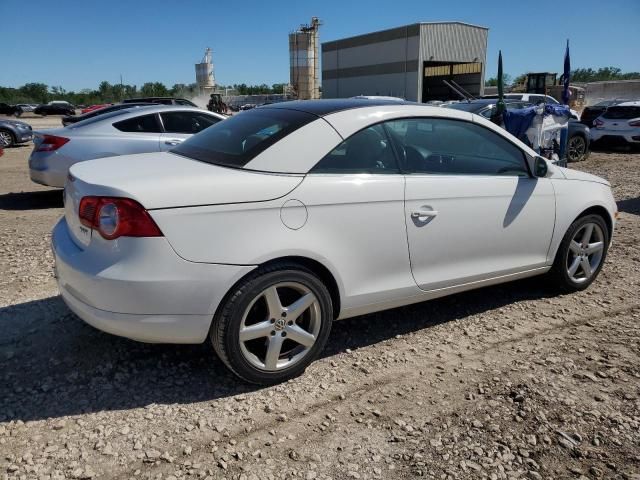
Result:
<point x="237" y="140"/>
<point x="99" y="117"/>
<point x="622" y="113"/>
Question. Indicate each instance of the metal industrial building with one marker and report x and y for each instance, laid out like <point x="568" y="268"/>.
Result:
<point x="409" y="62"/>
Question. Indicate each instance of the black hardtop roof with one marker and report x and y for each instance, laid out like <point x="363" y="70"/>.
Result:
<point x="327" y="106"/>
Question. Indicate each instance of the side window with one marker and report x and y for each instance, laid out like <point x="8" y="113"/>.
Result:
<point x="141" y="124"/>
<point x="186" y="122"/>
<point x="368" y="151"/>
<point x="454" y="147"/>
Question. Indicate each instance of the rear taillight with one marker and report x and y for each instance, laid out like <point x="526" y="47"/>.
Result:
<point x="598" y="123"/>
<point x="115" y="217"/>
<point x="634" y="123"/>
<point x="51" y="143"/>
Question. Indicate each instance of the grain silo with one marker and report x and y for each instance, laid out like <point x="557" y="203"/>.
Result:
<point x="204" y="74"/>
<point x="304" y="61"/>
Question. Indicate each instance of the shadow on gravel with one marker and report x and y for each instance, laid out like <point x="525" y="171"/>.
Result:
<point x="31" y="200"/>
<point x="52" y="364"/>
<point x="630" y="205"/>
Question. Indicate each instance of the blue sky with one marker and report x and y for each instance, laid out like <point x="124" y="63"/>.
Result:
<point x="77" y="44"/>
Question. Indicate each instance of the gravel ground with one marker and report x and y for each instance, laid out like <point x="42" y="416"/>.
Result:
<point x="505" y="382"/>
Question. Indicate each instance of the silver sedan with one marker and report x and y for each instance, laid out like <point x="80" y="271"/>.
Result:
<point x="137" y="130"/>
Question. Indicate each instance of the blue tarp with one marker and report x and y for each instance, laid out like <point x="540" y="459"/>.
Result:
<point x="517" y="122"/>
<point x="557" y="110"/>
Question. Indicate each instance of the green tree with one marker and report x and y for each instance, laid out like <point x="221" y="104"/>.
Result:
<point x="154" y="89"/>
<point x="36" y="92"/>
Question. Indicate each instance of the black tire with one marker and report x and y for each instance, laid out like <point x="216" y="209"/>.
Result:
<point x="577" y="150"/>
<point x="559" y="275"/>
<point x="8" y="138"/>
<point x="225" y="328"/>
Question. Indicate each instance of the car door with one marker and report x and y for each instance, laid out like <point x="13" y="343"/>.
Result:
<point x="138" y="134"/>
<point x="355" y="202"/>
<point x="472" y="210"/>
<point x="180" y="125"/>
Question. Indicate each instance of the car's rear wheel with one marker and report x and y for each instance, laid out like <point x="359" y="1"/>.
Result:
<point x="6" y="138"/>
<point x="577" y="148"/>
<point x="581" y="254"/>
<point x="273" y="324"/>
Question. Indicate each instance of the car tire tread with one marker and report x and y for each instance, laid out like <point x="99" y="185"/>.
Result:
<point x="558" y="274"/>
<point x="222" y="323"/>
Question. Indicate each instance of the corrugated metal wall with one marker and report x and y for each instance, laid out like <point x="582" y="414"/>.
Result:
<point x="391" y="62"/>
<point x="453" y="42"/>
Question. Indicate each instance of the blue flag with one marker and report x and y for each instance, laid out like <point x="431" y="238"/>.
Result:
<point x="566" y="76"/>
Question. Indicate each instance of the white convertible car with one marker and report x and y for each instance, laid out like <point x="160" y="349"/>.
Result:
<point x="261" y="230"/>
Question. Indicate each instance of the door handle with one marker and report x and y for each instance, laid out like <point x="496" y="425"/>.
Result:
<point x="175" y="141"/>
<point x="424" y="213"/>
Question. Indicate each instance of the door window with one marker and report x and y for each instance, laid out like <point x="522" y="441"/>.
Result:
<point x="186" y="122"/>
<point x="454" y="147"/>
<point x="368" y="151"/>
<point x="141" y="124"/>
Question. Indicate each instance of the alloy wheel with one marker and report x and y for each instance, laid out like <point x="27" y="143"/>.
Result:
<point x="576" y="148"/>
<point x="280" y="326"/>
<point x="6" y="139"/>
<point x="585" y="252"/>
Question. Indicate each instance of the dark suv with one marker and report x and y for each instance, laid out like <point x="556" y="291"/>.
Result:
<point x="55" y="108"/>
<point x="6" y="109"/>
<point x="162" y="100"/>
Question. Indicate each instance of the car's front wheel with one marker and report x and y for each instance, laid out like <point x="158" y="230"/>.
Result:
<point x="581" y="254"/>
<point x="273" y="324"/>
<point x="6" y="138"/>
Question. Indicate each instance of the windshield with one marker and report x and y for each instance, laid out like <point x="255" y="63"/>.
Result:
<point x="237" y="140"/>
<point x="622" y="113"/>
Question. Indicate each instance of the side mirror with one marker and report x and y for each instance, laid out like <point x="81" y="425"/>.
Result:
<point x="540" y="167"/>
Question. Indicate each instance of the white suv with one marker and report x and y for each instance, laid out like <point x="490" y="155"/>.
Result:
<point x="618" y="124"/>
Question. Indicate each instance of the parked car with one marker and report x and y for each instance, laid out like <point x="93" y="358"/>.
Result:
<point x="260" y="231"/>
<point x="69" y="119"/>
<point x="6" y="109"/>
<point x="13" y="132"/>
<point x="162" y="100"/>
<point x="590" y="113"/>
<point x="137" y="130"/>
<point x="91" y="108"/>
<point x="24" y="108"/>
<point x="618" y="125"/>
<point x="577" y="142"/>
<point x="534" y="98"/>
<point x="55" y="108"/>
<point x="485" y="106"/>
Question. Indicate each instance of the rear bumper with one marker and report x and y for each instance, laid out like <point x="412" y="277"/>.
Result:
<point x="49" y="168"/>
<point x="47" y="177"/>
<point x="620" y="137"/>
<point x="140" y="288"/>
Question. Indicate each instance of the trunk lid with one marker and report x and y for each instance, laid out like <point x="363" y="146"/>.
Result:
<point x="167" y="180"/>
